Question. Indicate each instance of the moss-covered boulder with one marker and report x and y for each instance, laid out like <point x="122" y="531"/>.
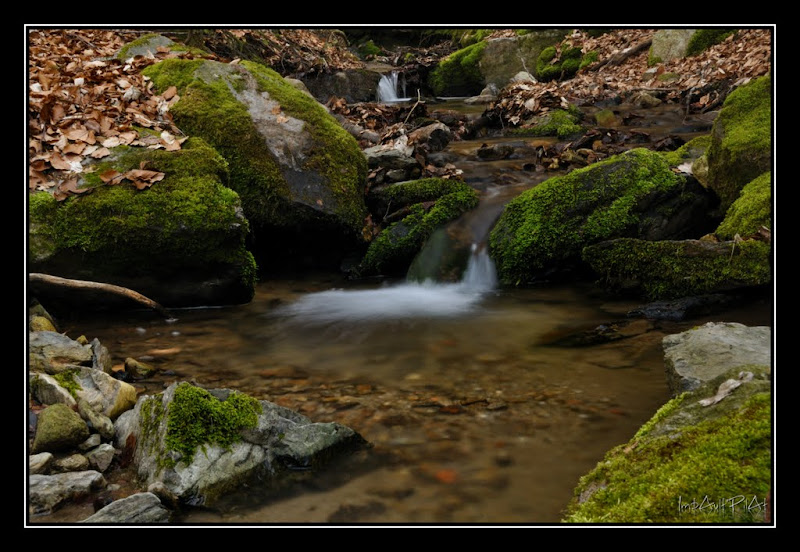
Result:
<point x="300" y="175"/>
<point x="459" y="74"/>
<point x="704" y="457"/>
<point x="543" y="231"/>
<point x="751" y="211"/>
<point x="678" y="268"/>
<point x="180" y="242"/>
<point x="59" y="428"/>
<point x="503" y="58"/>
<point x="415" y="210"/>
<point x="741" y="145"/>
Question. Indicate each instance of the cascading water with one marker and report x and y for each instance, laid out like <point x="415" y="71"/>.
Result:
<point x="408" y="300"/>
<point x="387" y="88"/>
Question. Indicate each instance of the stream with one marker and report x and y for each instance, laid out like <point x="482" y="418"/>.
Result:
<point x="475" y="413"/>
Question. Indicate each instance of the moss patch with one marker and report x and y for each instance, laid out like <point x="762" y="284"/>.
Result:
<point x="547" y="226"/>
<point x="703" y="39"/>
<point x="715" y="471"/>
<point x="751" y="211"/>
<point x="197" y="418"/>
<point x="66" y="379"/>
<point x="459" y="74"/>
<point x="671" y="269"/>
<point x="741" y="147"/>
<point x="559" y="122"/>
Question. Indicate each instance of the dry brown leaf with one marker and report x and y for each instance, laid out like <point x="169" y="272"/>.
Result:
<point x="100" y="153"/>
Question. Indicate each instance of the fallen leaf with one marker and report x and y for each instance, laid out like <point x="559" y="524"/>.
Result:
<point x="446" y="476"/>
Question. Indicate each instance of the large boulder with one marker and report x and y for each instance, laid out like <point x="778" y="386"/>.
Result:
<point x="670" y="44"/>
<point x="203" y="444"/>
<point x="411" y="212"/>
<point x="670" y="269"/>
<point x="697" y="356"/>
<point x="46" y="493"/>
<point x="180" y="241"/>
<point x="59" y="428"/>
<point x="741" y="145"/>
<point x="543" y="231"/>
<point x="300" y="175"/>
<point x="137" y="508"/>
<point x="704" y="457"/>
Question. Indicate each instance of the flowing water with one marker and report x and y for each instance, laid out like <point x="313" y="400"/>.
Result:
<point x="475" y="409"/>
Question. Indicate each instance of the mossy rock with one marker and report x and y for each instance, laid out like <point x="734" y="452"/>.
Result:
<point x="300" y="175"/>
<point x="669" y="44"/>
<point x="59" y="429"/>
<point x="430" y="203"/>
<point x="691" y="463"/>
<point x="559" y="122"/>
<point x="180" y="242"/>
<point x="669" y="269"/>
<point x="741" y="145"/>
<point x="459" y="74"/>
<point x="635" y="194"/>
<point x="705" y="38"/>
<point x="150" y="45"/>
<point x="751" y="211"/>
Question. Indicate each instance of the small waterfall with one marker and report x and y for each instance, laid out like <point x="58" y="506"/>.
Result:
<point x="387" y="88"/>
<point x="480" y="273"/>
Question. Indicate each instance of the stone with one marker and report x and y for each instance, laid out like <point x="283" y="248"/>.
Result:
<point x="669" y="44"/>
<point x="48" y="492"/>
<point x="39" y="463"/>
<point x="140" y="508"/>
<point x="72" y="463"/>
<point x="100" y="457"/>
<point x="697" y="356"/>
<point x="59" y="428"/>
<point x="52" y="352"/>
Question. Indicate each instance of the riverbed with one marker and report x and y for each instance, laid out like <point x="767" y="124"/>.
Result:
<point x="475" y="411"/>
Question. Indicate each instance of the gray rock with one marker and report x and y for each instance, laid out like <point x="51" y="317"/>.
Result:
<point x="697" y="356"/>
<point x="147" y="47"/>
<point x="101" y="358"/>
<point x="59" y="428"/>
<point x="46" y="390"/>
<point x="281" y="440"/>
<point x="72" y="463"/>
<point x="138" y="508"/>
<point x="48" y="492"/>
<point x="52" y="352"/>
<point x="90" y="443"/>
<point x="105" y="394"/>
<point x="669" y="44"/>
<point x="101" y="423"/>
<point x="39" y="463"/>
<point x="100" y="457"/>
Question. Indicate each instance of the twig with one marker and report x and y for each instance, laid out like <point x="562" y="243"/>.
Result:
<point x="413" y="108"/>
<point x="110" y="288"/>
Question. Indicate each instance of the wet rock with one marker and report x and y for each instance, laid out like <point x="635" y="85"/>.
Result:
<point x="139" y="370"/>
<point x="278" y="442"/>
<point x="39" y="463"/>
<point x="72" y="463"/>
<point x="100" y="457"/>
<point x="52" y="352"/>
<point x="137" y="508"/>
<point x="101" y="423"/>
<point x="683" y="308"/>
<point x="59" y="428"/>
<point x="699" y="355"/>
<point x="48" y="492"/>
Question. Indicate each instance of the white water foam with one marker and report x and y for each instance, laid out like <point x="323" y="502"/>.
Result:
<point x="387" y="89"/>
<point x="407" y="300"/>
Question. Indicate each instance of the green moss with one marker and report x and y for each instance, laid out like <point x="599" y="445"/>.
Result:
<point x="393" y="250"/>
<point x="559" y="122"/>
<point x="588" y="59"/>
<point x="741" y="148"/>
<point x="132" y="231"/>
<point x="703" y="39"/>
<point x="209" y="108"/>
<point x="196" y="418"/>
<point x="671" y="269"/>
<point x="368" y="49"/>
<point x="689" y="151"/>
<point x="751" y="211"/>
<point x="569" y="61"/>
<point x="655" y="479"/>
<point x="336" y="156"/>
<point x="459" y="73"/>
<point x="551" y="223"/>
<point x="66" y="379"/>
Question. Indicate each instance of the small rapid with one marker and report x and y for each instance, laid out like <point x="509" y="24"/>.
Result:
<point x="427" y="299"/>
<point x="388" y="88"/>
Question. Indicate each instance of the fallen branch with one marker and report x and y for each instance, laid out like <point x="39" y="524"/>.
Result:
<point x="110" y="288"/>
<point x="620" y="57"/>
